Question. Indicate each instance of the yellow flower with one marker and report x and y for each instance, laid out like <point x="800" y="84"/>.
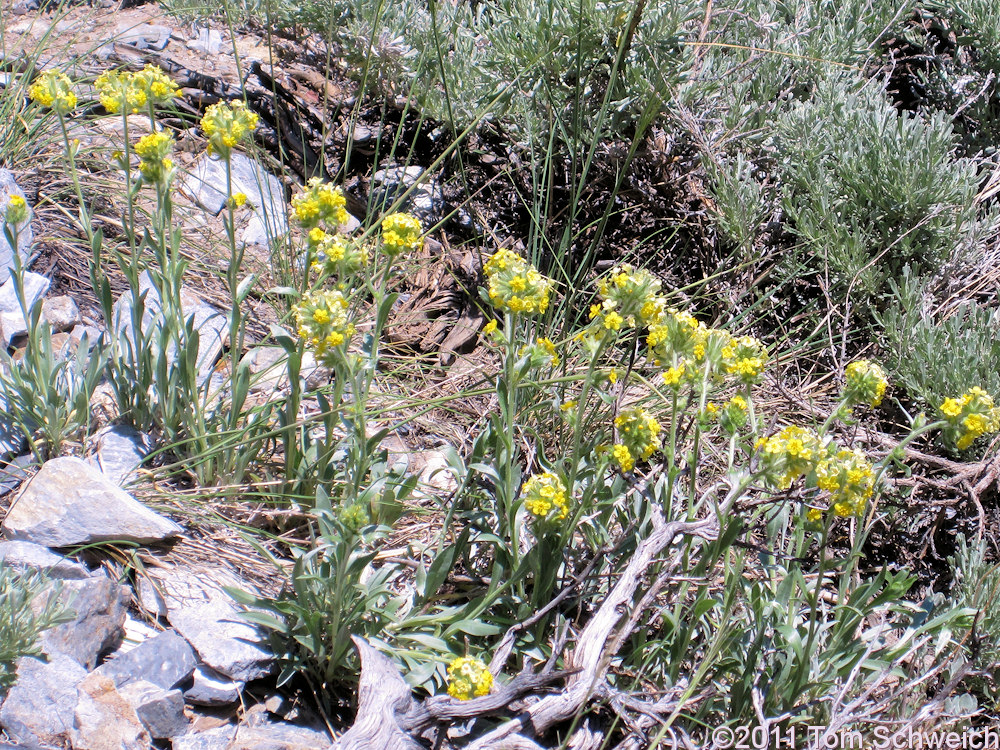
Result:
<point x="322" y="321"/>
<point x="516" y="285"/>
<point x="320" y="202"/>
<point x="401" y="233"/>
<point x="54" y="90"/>
<point x="951" y="407"/>
<point x="468" y="678"/>
<point x="639" y="434"/>
<point x="969" y="417"/>
<point x="238" y="200"/>
<point x="226" y="125"/>
<point x="674" y="376"/>
<point x="865" y="383"/>
<point x="17" y="210"/>
<point x="490" y="327"/>
<point x="540" y="354"/>
<point x="153" y="150"/>
<point x="544" y="496"/>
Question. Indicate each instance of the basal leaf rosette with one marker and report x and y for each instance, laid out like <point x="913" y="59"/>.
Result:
<point x="54" y="90"/>
<point x="544" y="497"/>
<point x="323" y="323"/>
<point x="468" y="678"/>
<point x="638" y="438"/>
<point x="516" y="285"/>
<point x="969" y="417"/>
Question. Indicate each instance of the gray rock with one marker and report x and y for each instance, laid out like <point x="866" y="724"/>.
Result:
<point x="13" y="474"/>
<point x="165" y="661"/>
<point x="209" y="688"/>
<point x="120" y="451"/>
<point x="9" y="187"/>
<point x="143" y="36"/>
<point x="160" y="711"/>
<point x="218" y="738"/>
<point x="268" y="368"/>
<point x="280" y="736"/>
<point x="205" y="184"/>
<point x="99" y="606"/>
<point x="211" y="325"/>
<point x="25" y="555"/>
<point x="69" y="502"/>
<point x="12" y="323"/>
<point x="198" y="608"/>
<point x="61" y="313"/>
<point x="39" y="707"/>
<point x="208" y="41"/>
<point x="104" y="720"/>
<point x="426" y="202"/>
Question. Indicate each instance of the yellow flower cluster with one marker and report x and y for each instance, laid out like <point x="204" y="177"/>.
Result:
<point x="154" y="151"/>
<point x="226" y="125"/>
<point x="629" y="298"/>
<point x="17" y="210"/>
<point x="744" y="357"/>
<point x="516" y="285"/>
<point x="320" y="202"/>
<point x="401" y="233"/>
<point x="676" y="336"/>
<point x="799" y="452"/>
<point x="969" y="417"/>
<point x="639" y="435"/>
<point x="132" y="92"/>
<point x="849" y="478"/>
<point x="335" y="256"/>
<point x="468" y="678"/>
<point x="544" y="497"/>
<point x="733" y="413"/>
<point x="865" y="383"/>
<point x="322" y="320"/>
<point x="53" y="90"/>
<point x="540" y="354"/>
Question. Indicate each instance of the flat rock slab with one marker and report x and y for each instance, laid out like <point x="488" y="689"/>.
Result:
<point x="69" y="502"/>
<point x="28" y="556"/>
<point x="198" y="608"/>
<point x="39" y="707"/>
<point x="99" y="606"/>
<point x="206" y="185"/>
<point x="209" y="688"/>
<point x="166" y="660"/>
<point x="268" y="736"/>
<point x="9" y="187"/>
<point x="160" y="711"/>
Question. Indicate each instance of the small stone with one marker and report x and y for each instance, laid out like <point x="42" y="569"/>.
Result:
<point x="12" y="320"/>
<point x="28" y="556"/>
<point x="218" y="738"/>
<point x="269" y="370"/>
<point x="209" y="688"/>
<point x="165" y="660"/>
<point x="69" y="502"/>
<point x="160" y="711"/>
<point x="208" y="41"/>
<point x="9" y="187"/>
<point x="198" y="608"/>
<point x="143" y="36"/>
<point x="13" y="474"/>
<point x="425" y="202"/>
<point x="98" y="605"/>
<point x="39" y="708"/>
<point x="61" y="313"/>
<point x="82" y="333"/>
<point x="104" y="720"/>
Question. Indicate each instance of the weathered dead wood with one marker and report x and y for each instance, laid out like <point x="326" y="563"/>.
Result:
<point x="383" y="699"/>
